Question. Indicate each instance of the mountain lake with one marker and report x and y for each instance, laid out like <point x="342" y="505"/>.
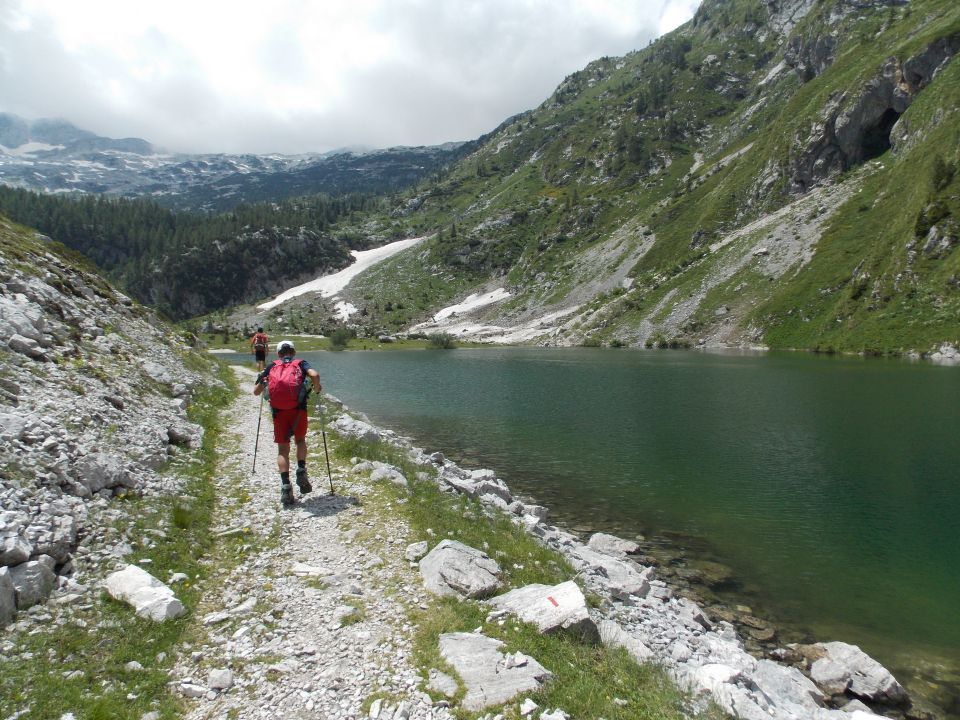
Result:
<point x="820" y="494"/>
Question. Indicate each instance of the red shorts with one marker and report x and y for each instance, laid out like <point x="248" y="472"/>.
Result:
<point x="284" y="422"/>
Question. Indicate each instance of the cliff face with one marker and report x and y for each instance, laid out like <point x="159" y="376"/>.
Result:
<point x="93" y="401"/>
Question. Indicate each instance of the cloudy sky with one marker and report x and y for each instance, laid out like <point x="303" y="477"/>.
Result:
<point x="305" y="75"/>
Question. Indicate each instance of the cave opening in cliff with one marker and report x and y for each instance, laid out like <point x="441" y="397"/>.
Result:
<point x="876" y="139"/>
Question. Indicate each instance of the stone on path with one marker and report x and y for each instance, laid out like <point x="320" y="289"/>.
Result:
<point x="454" y="569"/>
<point x="304" y="570"/>
<point x="416" y="550"/>
<point x="491" y="678"/>
<point x="551" y="608"/>
<point x="846" y="668"/>
<point x="220" y="679"/>
<point x="149" y="597"/>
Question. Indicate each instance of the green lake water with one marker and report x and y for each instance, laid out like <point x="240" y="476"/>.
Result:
<point x="831" y="486"/>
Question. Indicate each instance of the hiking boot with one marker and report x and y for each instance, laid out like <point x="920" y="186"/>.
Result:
<point x="302" y="481"/>
<point x="286" y="495"/>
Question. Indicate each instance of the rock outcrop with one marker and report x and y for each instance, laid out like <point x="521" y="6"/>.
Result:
<point x="855" y="126"/>
<point x="92" y="403"/>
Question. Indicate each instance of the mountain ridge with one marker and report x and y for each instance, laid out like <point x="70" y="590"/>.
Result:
<point x="680" y="148"/>
<point x="53" y="155"/>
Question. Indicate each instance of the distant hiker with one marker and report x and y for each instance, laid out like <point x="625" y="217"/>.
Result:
<point x="286" y="381"/>
<point x="259" y="343"/>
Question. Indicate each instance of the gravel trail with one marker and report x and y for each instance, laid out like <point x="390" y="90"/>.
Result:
<point x="311" y="622"/>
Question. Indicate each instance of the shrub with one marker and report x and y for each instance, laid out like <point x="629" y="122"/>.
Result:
<point x="443" y="341"/>
<point x="339" y="338"/>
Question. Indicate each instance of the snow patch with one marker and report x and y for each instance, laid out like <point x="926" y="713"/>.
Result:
<point x="344" y="310"/>
<point x="472" y="302"/>
<point x="30" y="148"/>
<point x="330" y="285"/>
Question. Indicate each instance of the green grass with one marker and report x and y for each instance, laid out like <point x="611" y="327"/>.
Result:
<point x="33" y="679"/>
<point x="587" y="679"/>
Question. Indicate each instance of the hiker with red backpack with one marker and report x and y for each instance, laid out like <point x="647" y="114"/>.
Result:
<point x="259" y="343"/>
<point x="288" y="381"/>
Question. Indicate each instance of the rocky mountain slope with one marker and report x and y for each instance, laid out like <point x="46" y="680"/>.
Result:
<point x="771" y="173"/>
<point x="55" y="156"/>
<point x="92" y="406"/>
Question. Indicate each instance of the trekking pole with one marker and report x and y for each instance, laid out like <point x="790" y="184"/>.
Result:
<point x="256" y="444"/>
<point x="323" y="432"/>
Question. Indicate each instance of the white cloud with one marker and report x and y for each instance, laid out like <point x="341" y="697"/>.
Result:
<point x="297" y="76"/>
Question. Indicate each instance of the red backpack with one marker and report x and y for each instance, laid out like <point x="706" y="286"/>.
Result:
<point x="259" y="341"/>
<point x="284" y="383"/>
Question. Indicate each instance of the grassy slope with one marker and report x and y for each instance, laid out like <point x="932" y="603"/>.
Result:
<point x="554" y="182"/>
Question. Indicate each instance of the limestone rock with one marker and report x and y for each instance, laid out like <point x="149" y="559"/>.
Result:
<point x="346" y="425"/>
<point x="220" y="679"/>
<point x="778" y="682"/>
<point x="551" y="608"/>
<point x="33" y="581"/>
<point x="612" y="635"/>
<point x="442" y="683"/>
<point x="491" y="678"/>
<point x="611" y="545"/>
<point x="416" y="550"/>
<point x="99" y="471"/>
<point x="455" y="569"/>
<point x="8" y="598"/>
<point x="847" y="668"/>
<point x="383" y="471"/>
<point x="150" y="598"/>
<point x="14" y="550"/>
<point x="26" y="346"/>
<point x="621" y="579"/>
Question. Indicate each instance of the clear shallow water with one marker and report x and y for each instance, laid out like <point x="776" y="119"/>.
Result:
<point x="830" y="486"/>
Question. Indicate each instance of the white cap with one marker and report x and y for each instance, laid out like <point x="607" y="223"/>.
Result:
<point x="285" y="345"/>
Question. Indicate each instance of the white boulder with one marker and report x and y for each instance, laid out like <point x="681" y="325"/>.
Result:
<point x="455" y="569"/>
<point x="551" y="608"/>
<point x="149" y="597"/>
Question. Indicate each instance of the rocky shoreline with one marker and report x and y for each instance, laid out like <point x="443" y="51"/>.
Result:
<point x="706" y="657"/>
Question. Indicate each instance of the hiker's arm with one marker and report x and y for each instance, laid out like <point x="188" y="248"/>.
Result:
<point x="315" y="379"/>
<point x="260" y="384"/>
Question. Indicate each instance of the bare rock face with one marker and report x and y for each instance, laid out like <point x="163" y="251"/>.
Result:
<point x="854" y="128"/>
<point x="491" y="678"/>
<point x="455" y="569"/>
